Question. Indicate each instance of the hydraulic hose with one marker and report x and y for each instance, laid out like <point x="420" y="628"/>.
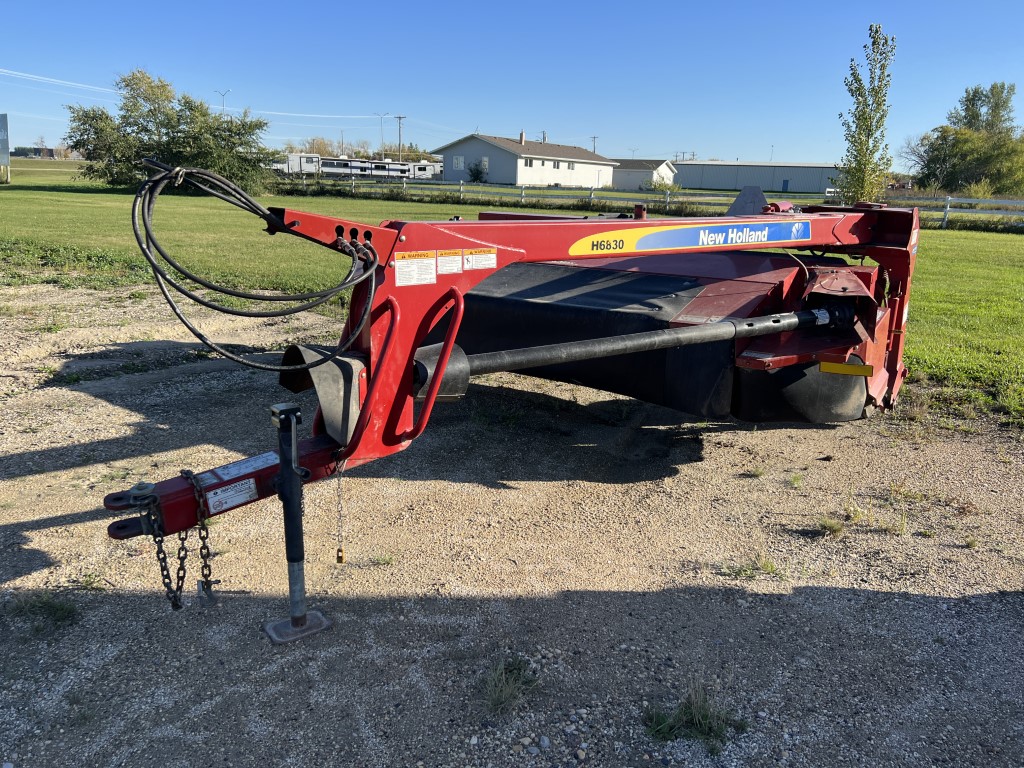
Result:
<point x="362" y="254"/>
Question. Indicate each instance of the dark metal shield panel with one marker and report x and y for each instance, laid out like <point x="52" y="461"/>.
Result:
<point x="527" y="305"/>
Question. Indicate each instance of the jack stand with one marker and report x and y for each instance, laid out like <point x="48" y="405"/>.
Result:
<point x="286" y="416"/>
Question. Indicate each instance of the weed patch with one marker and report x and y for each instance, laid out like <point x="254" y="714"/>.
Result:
<point x="855" y="513"/>
<point x="507" y="683"/>
<point x="759" y="564"/>
<point x="898" y="527"/>
<point x="697" y="716"/>
<point x="47" y="611"/>
<point x="831" y="527"/>
<point x="27" y="262"/>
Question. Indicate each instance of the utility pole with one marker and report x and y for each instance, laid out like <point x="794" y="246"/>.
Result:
<point x="382" y="116"/>
<point x="222" y="95"/>
<point x="772" y="156"/>
<point x="633" y="150"/>
<point x="399" y="118"/>
<point x="594" y="140"/>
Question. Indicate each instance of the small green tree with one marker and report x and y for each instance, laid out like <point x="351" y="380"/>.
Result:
<point x="865" y="167"/>
<point x="153" y="121"/>
<point x="476" y="172"/>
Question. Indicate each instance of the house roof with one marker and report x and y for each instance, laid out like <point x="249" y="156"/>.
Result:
<point x="630" y="164"/>
<point x="535" y="149"/>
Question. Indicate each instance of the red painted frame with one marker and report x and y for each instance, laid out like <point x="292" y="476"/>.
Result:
<point x="403" y="315"/>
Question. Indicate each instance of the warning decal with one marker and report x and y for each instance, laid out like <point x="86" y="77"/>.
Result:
<point x="480" y="258"/>
<point x="449" y="262"/>
<point x="231" y="496"/>
<point x="246" y="466"/>
<point x="415" y="268"/>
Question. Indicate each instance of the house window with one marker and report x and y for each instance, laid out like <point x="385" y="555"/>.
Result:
<point x="556" y="164"/>
<point x="528" y="162"/>
<point x="485" y="163"/>
<point x="572" y="166"/>
<point x="459" y="163"/>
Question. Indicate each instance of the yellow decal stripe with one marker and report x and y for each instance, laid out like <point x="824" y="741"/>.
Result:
<point x="847" y="369"/>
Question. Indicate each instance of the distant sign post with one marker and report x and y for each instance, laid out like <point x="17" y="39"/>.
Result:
<point x="5" y="152"/>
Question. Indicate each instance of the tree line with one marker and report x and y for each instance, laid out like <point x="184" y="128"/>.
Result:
<point x="320" y="145"/>
<point x="979" y="151"/>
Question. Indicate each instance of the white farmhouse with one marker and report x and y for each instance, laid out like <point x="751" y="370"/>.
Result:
<point x="642" y="174"/>
<point x="523" y="163"/>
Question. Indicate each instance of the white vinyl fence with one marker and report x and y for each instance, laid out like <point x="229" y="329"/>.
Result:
<point x="984" y="211"/>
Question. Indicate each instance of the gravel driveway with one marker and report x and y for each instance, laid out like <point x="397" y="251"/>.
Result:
<point x="616" y="556"/>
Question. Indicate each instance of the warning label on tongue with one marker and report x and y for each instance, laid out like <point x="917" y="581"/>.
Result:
<point x="231" y="496"/>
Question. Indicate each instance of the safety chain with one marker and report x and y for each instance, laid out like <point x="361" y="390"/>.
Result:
<point x="339" y="470"/>
<point x="151" y="510"/>
<point x="202" y="514"/>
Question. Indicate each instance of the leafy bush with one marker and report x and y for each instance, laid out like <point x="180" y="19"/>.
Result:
<point x="979" y="190"/>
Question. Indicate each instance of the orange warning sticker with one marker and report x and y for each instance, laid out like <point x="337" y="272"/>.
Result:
<point x="449" y="262"/>
<point x="480" y="258"/>
<point x="415" y="268"/>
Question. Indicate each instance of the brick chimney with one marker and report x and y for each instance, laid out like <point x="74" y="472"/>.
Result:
<point x="522" y="138"/>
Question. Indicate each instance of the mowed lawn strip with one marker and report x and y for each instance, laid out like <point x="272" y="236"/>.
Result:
<point x="967" y="315"/>
<point x="966" y="308"/>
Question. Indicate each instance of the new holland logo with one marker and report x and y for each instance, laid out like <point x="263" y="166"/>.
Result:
<point x="688" y="236"/>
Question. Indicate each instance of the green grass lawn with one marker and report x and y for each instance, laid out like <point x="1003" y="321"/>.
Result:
<point x="967" y="315"/>
<point x="966" y="309"/>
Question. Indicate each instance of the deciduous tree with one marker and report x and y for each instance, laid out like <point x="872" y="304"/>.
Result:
<point x="153" y="121"/>
<point x="980" y="147"/>
<point x="989" y="110"/>
<point x="865" y="167"/>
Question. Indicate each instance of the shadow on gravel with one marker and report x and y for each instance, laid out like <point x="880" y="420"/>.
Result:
<point x="182" y="401"/>
<point x="495" y="437"/>
<point x="822" y="676"/>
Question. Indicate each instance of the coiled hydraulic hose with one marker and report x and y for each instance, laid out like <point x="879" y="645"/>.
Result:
<point x="142" y="225"/>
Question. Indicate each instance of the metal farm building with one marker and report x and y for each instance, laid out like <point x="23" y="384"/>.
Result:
<point x="771" y="177"/>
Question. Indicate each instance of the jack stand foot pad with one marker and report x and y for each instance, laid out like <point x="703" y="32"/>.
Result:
<point x="282" y="631"/>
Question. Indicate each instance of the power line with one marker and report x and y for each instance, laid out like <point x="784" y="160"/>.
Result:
<point x="54" y="81"/>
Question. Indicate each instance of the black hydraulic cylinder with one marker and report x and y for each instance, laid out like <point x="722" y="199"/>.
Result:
<point x="666" y="338"/>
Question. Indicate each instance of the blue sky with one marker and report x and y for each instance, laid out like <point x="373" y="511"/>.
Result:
<point x="727" y="80"/>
